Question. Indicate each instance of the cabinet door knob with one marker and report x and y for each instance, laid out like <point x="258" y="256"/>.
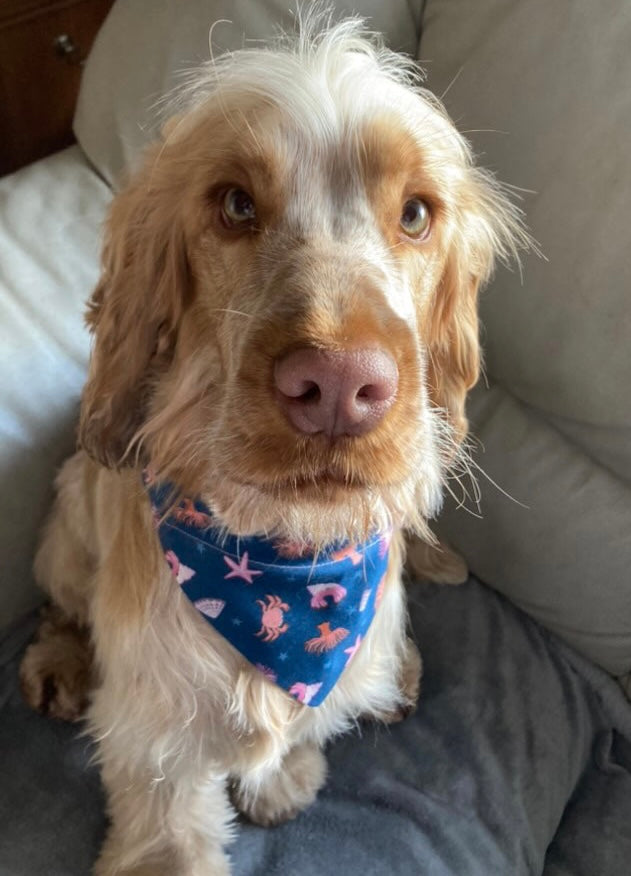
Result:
<point x="66" y="48"/>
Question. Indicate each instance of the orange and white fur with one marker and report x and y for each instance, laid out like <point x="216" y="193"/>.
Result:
<point x="306" y="197"/>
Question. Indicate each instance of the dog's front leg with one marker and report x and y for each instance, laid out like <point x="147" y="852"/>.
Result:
<point x="164" y="827"/>
<point x="272" y="796"/>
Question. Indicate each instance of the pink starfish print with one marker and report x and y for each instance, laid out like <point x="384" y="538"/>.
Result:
<point x="353" y="649"/>
<point x="240" y="569"/>
<point x="349" y="552"/>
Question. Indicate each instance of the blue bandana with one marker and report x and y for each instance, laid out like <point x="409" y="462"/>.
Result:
<point x="297" y="619"/>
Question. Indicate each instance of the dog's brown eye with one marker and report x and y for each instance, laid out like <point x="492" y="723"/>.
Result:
<point x="238" y="208"/>
<point x="415" y="218"/>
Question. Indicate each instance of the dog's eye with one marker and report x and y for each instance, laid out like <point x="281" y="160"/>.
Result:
<point x="415" y="218"/>
<point x="238" y="208"/>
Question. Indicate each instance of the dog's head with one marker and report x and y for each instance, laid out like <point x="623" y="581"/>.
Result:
<point x="286" y="320"/>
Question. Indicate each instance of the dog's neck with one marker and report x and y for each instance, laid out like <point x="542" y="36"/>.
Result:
<point x="298" y="618"/>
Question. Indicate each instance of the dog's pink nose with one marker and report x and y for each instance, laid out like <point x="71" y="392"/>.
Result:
<point x="342" y="393"/>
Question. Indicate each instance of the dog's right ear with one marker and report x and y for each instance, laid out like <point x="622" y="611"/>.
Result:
<point x="135" y="311"/>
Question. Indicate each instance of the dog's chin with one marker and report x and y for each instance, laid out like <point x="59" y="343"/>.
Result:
<point x="318" y="511"/>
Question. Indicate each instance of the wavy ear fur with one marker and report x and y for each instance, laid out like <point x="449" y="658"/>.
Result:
<point x="134" y="312"/>
<point x="488" y="226"/>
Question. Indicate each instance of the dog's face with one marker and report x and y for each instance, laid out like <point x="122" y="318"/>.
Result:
<point x="286" y="320"/>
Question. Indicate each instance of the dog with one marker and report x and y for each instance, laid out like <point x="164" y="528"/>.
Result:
<point x="285" y="331"/>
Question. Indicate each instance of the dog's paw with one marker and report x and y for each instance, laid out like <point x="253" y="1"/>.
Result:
<point x="438" y="563"/>
<point x="409" y="685"/>
<point x="282" y="796"/>
<point x="55" y="670"/>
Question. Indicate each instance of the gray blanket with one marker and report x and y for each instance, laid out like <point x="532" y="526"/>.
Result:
<point x="517" y="762"/>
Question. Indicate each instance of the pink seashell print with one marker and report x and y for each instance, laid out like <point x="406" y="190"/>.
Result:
<point x="210" y="607"/>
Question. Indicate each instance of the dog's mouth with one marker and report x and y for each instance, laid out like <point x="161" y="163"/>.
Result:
<point x="320" y="483"/>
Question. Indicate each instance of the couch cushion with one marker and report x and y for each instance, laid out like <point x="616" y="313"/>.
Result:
<point x="143" y="46"/>
<point x="543" y="89"/>
<point x="50" y="218"/>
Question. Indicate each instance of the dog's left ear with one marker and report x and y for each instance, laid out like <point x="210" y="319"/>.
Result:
<point x="487" y="226"/>
<point x="135" y="310"/>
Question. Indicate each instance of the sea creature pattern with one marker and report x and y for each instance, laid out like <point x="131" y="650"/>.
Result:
<point x="304" y="693"/>
<point x="272" y="618"/>
<point x="327" y="640"/>
<point x="321" y="592"/>
<point x="299" y="619"/>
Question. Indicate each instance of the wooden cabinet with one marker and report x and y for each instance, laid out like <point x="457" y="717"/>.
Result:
<point x="42" y="46"/>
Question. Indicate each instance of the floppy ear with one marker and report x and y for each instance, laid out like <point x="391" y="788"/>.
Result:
<point x="487" y="226"/>
<point x="454" y="348"/>
<point x="134" y="312"/>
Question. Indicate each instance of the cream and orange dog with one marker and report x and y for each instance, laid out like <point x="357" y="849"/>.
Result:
<point x="285" y="331"/>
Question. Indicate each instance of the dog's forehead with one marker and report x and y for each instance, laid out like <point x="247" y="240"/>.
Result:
<point x="337" y="167"/>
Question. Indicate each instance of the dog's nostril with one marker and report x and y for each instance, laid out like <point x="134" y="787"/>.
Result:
<point x="312" y="394"/>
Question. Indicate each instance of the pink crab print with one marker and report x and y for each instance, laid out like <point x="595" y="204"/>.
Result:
<point x="187" y="513"/>
<point x="320" y="593"/>
<point x="272" y="618"/>
<point x="327" y="640"/>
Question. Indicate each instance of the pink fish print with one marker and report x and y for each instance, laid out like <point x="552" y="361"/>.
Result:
<point x="321" y="592"/>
